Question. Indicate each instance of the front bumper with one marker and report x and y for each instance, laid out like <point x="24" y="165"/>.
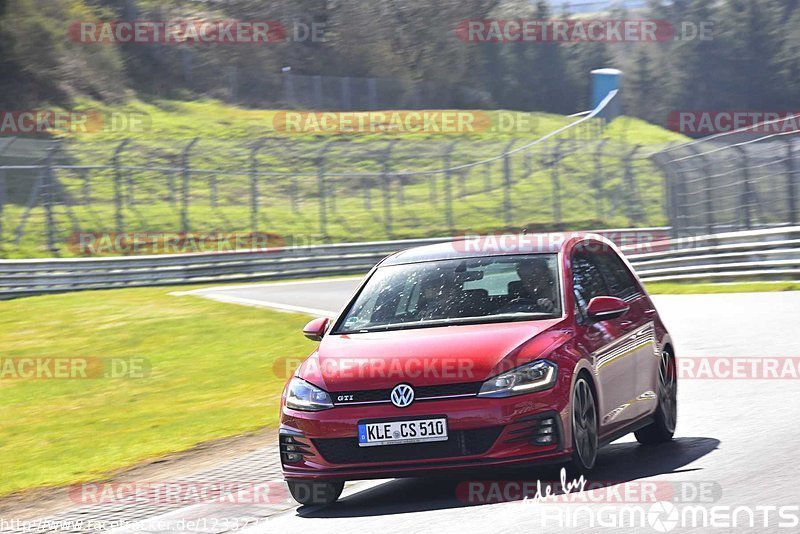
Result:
<point x="483" y="432"/>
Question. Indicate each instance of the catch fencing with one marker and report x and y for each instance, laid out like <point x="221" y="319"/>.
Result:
<point x="746" y="179"/>
<point x="307" y="191"/>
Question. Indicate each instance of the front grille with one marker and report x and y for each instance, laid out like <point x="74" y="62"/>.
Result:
<point x="421" y="392"/>
<point x="460" y="443"/>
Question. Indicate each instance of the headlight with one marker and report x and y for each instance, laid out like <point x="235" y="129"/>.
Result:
<point x="301" y="395"/>
<point x="528" y="378"/>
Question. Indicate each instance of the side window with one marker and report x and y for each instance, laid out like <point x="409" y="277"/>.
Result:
<point x="587" y="281"/>
<point x="619" y="280"/>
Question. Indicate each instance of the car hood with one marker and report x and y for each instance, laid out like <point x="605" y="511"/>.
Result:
<point x="428" y="356"/>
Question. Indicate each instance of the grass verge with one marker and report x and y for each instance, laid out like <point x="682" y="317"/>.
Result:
<point x="211" y="376"/>
<point x="662" y="288"/>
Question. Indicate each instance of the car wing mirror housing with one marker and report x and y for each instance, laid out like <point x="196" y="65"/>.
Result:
<point x="315" y="329"/>
<point x="606" y="308"/>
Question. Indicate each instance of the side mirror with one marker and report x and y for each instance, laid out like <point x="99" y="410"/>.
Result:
<point x="315" y="329"/>
<point x="605" y="308"/>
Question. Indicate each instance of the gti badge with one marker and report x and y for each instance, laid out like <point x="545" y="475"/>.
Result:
<point x="402" y="395"/>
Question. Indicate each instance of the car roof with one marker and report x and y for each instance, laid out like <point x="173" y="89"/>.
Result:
<point x="490" y="245"/>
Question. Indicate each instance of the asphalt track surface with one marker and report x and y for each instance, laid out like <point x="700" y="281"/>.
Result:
<point x="735" y="445"/>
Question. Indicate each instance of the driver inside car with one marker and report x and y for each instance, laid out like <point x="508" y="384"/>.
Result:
<point x="537" y="287"/>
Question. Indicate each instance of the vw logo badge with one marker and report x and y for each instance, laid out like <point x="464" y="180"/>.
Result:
<point x="402" y="395"/>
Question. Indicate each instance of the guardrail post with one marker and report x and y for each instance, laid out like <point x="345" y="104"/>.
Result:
<point x="508" y="215"/>
<point x="257" y="146"/>
<point x="185" y="185"/>
<point x="791" y="182"/>
<point x="118" y="194"/>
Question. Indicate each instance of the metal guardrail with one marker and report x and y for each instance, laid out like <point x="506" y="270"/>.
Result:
<point x="762" y="254"/>
<point x="768" y="254"/>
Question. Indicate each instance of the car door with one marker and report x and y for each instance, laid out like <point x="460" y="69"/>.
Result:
<point x="639" y="322"/>
<point x="606" y="341"/>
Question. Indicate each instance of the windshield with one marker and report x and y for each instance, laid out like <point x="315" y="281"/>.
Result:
<point x="449" y="292"/>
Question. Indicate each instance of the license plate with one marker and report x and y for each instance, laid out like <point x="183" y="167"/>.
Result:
<point x="400" y="432"/>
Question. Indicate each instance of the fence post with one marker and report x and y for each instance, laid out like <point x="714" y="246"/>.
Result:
<point x="185" y="185"/>
<point x="708" y="199"/>
<point x="599" y="179"/>
<point x="508" y="215"/>
<point x="386" y="187"/>
<point x="3" y="188"/>
<point x="448" y="187"/>
<point x="254" y="149"/>
<point x="791" y="181"/>
<point x="635" y="214"/>
<point x="233" y="83"/>
<point x="118" y="200"/>
<point x="316" y="82"/>
<point x="346" y="100"/>
<point x="323" y="209"/>
<point x="555" y="179"/>
<point x="49" y="198"/>
<point x="212" y="186"/>
<point x="3" y="192"/>
<point x="288" y="88"/>
<point x="747" y="190"/>
<point x="372" y="90"/>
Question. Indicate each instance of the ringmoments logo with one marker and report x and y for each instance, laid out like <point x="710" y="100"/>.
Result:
<point x="664" y="516"/>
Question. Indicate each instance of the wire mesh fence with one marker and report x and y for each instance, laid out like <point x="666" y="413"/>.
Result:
<point x="303" y="192"/>
<point x="740" y="180"/>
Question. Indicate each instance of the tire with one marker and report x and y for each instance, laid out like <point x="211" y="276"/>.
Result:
<point x="315" y="492"/>
<point x="666" y="416"/>
<point x="585" y="441"/>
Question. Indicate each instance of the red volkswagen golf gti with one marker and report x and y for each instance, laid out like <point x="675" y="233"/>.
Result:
<point x="476" y="353"/>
